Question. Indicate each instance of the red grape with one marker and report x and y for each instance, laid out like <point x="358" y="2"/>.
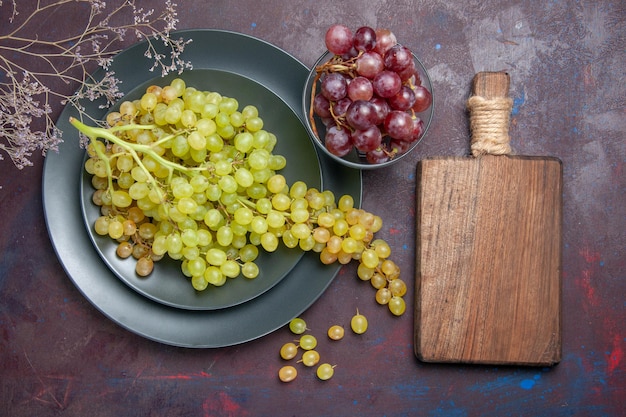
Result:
<point x="364" y="38"/>
<point x="360" y="88"/>
<point x="321" y="106"/>
<point x="398" y="58"/>
<point x="399" y="125"/>
<point x="340" y="107"/>
<point x="367" y="140"/>
<point x="370" y="64"/>
<point x="334" y="86"/>
<point x="377" y="156"/>
<point x="387" y="84"/>
<point x="423" y="99"/>
<point x="337" y="141"/>
<point x="385" y="39"/>
<point x="403" y="100"/>
<point x="382" y="109"/>
<point x="338" y="39"/>
<point x="361" y="114"/>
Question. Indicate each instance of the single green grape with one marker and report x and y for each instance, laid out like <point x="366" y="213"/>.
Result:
<point x="396" y="305"/>
<point x="310" y="358"/>
<point x="297" y="325"/>
<point x="287" y="373"/>
<point x="358" y="323"/>
<point x="325" y="371"/>
<point x="335" y="332"/>
<point x="288" y="351"/>
<point x="308" y="342"/>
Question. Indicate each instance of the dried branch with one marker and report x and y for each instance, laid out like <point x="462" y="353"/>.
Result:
<point x="39" y="71"/>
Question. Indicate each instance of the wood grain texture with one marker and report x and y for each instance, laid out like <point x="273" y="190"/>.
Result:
<point x="488" y="261"/>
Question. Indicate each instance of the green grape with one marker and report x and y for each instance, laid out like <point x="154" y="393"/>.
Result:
<point x="299" y="215"/>
<point x="258" y="159"/>
<point x="254" y="124"/>
<point x="199" y="283"/>
<point x="297" y="325"/>
<point x="243" y="215"/>
<point x="275" y="219"/>
<point x="269" y="241"/>
<point x="365" y="273"/>
<point x="124" y="250"/>
<point x="310" y="358"/>
<point x="288" y="351"/>
<point x="358" y="323"/>
<point x="281" y="202"/>
<point x="250" y="270"/>
<point x="174" y="243"/>
<point x="248" y="253"/>
<point x="206" y="127"/>
<point x="276" y="184"/>
<point x="244" y="141"/>
<point x="396" y="305"/>
<point x="300" y="231"/>
<point x="214" y="142"/>
<point x="287" y="373"/>
<point x="290" y="240"/>
<point x="346" y="202"/>
<point x="383" y="296"/>
<point x="121" y="198"/>
<point x="378" y="281"/>
<point x="196" y="141"/>
<point x="336" y="332"/>
<point x="101" y="225"/>
<point x="196" y="267"/>
<point x="228" y="184"/>
<point x="308" y="342"/>
<point x="215" y="256"/>
<point x="187" y="205"/>
<point x="116" y="229"/>
<point x="325" y="371"/>
<point x="307" y="243"/>
<point x="258" y="192"/>
<point x="261" y="139"/>
<point x="244" y="177"/>
<point x="369" y="258"/>
<point x="390" y="269"/>
<point x="259" y="225"/>
<point x="214" y="276"/>
<point x="189" y="237"/>
<point x="349" y="245"/>
<point x="340" y="227"/>
<point x="276" y="162"/>
<point x="223" y="167"/>
<point x="230" y="268"/>
<point x="397" y="287"/>
<point x="381" y="248"/>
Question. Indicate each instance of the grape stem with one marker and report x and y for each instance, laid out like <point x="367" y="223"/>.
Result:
<point x="109" y="134"/>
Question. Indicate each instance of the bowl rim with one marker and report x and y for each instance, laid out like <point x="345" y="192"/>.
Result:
<point x="306" y="99"/>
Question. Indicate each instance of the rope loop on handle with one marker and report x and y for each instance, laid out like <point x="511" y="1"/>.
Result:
<point x="489" y="125"/>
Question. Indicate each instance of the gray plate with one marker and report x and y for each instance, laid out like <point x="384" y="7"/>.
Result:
<point x="167" y="284"/>
<point x="219" y="50"/>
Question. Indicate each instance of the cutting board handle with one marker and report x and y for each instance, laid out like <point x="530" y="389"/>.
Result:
<point x="490" y="110"/>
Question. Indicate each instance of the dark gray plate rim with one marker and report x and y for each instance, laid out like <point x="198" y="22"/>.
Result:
<point x="227" y="51"/>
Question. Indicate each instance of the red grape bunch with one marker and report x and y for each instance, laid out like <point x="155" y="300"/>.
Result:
<point x="370" y="94"/>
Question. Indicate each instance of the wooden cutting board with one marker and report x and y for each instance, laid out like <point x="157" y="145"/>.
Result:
<point x="488" y="262"/>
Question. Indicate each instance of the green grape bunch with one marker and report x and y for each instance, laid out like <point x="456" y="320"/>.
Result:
<point x="187" y="174"/>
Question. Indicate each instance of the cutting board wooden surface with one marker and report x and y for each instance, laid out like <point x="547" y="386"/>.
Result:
<point x="488" y="261"/>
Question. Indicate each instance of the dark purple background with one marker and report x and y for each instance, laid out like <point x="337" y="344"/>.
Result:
<point x="60" y="356"/>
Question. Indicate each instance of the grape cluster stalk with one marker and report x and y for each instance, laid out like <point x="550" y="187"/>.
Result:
<point x="370" y="96"/>
<point x="187" y="174"/>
